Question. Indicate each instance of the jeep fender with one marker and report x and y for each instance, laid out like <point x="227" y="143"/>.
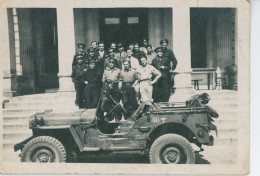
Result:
<point x="52" y="131"/>
<point x="20" y="145"/>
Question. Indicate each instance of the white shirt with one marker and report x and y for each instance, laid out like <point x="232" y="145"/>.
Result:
<point x="101" y="53"/>
<point x="134" y="63"/>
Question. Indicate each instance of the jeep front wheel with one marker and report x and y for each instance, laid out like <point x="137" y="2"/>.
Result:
<point x="171" y="149"/>
<point x="43" y="149"/>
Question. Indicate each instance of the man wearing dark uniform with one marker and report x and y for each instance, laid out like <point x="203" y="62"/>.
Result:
<point x="111" y="55"/>
<point x="91" y="55"/>
<point x="91" y="91"/>
<point x="128" y="79"/>
<point x="171" y="57"/>
<point x="110" y="88"/>
<point x="137" y="53"/>
<point x="161" y="91"/>
<point x="77" y="74"/>
<point x="81" y="47"/>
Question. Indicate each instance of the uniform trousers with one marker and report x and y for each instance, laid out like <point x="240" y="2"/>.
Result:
<point x="129" y="99"/>
<point x="79" y="87"/>
<point x="91" y="96"/>
<point x="146" y="91"/>
<point x="161" y="92"/>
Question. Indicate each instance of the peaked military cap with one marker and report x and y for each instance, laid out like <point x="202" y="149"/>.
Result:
<point x="81" y="45"/>
<point x="164" y="41"/>
<point x="79" y="57"/>
<point x="92" y="61"/>
<point x="159" y="49"/>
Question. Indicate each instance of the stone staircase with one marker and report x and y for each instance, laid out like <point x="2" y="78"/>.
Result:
<point x="224" y="150"/>
<point x="17" y="112"/>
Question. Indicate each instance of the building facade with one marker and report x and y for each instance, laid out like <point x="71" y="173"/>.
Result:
<point x="41" y="42"/>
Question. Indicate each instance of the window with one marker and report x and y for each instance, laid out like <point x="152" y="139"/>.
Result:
<point x="112" y="20"/>
<point x="133" y="20"/>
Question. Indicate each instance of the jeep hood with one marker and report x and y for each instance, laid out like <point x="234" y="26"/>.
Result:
<point x="49" y="118"/>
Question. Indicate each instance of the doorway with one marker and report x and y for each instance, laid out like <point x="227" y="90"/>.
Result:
<point x="124" y="25"/>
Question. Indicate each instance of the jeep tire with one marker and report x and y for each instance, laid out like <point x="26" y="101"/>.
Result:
<point x="171" y="149"/>
<point x="43" y="149"/>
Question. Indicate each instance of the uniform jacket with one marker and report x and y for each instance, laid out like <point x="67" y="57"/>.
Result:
<point x="158" y="62"/>
<point x="85" y="56"/>
<point x="171" y="57"/>
<point x="92" y="76"/>
<point x="78" y="72"/>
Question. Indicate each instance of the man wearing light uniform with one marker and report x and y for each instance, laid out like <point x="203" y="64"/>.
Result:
<point x="145" y="73"/>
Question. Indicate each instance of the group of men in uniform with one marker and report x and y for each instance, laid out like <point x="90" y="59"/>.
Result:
<point x="138" y="74"/>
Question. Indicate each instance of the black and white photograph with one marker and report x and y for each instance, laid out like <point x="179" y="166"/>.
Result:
<point x="125" y="87"/>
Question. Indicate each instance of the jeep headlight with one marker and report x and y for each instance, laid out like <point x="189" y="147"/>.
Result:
<point x="38" y="120"/>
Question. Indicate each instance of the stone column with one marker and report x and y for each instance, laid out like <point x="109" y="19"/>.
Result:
<point x="155" y="26"/>
<point x="182" y="51"/>
<point x="91" y="26"/>
<point x="66" y="49"/>
<point x="6" y="56"/>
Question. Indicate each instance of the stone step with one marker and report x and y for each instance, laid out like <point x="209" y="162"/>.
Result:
<point x="13" y="136"/>
<point x="13" y="120"/>
<point x="15" y="126"/>
<point x="50" y="96"/>
<point x="226" y="122"/>
<point x="225" y="141"/>
<point x="39" y="105"/>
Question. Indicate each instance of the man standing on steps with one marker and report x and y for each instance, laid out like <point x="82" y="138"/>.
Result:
<point x="137" y="53"/>
<point x="171" y="58"/>
<point x="145" y="73"/>
<point x="134" y="63"/>
<point x="81" y="47"/>
<point x="77" y="74"/>
<point x="161" y="91"/>
<point x="91" y="91"/>
<point x="128" y="78"/>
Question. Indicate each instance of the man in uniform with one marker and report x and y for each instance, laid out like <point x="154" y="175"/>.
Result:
<point x="145" y="73"/>
<point x="111" y="55"/>
<point x="110" y="88"/>
<point x="77" y="74"/>
<point x="171" y="57"/>
<point x="161" y="91"/>
<point x="128" y="78"/>
<point x="137" y="53"/>
<point x="81" y="47"/>
<point x="92" y="87"/>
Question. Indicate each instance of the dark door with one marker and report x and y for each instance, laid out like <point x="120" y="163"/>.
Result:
<point x="124" y="25"/>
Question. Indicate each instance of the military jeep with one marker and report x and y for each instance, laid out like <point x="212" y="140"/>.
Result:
<point x="162" y="131"/>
